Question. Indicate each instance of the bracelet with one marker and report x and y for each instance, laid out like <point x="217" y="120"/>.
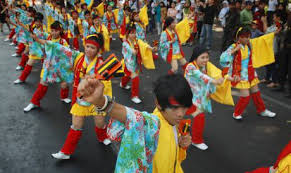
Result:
<point x="104" y="106"/>
<point x="110" y="107"/>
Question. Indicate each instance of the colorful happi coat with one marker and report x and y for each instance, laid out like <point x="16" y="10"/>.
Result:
<point x="201" y="86"/>
<point x="167" y="50"/>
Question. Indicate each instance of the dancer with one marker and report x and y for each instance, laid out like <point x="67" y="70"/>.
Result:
<point x="238" y="63"/>
<point x="170" y="47"/>
<point x="74" y="65"/>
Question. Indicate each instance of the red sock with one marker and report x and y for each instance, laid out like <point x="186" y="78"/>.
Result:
<point x="71" y="142"/>
<point x="39" y="94"/>
<point x="135" y="87"/>
<point x="76" y="43"/>
<point x="101" y="133"/>
<point x="241" y="105"/>
<point x="25" y="73"/>
<point x="20" y="49"/>
<point x="198" y="124"/>
<point x="64" y="93"/>
<point x="125" y="80"/>
<point x="24" y="59"/>
<point x="11" y="33"/>
<point x="155" y="56"/>
<point x="258" y="101"/>
<point x="15" y="42"/>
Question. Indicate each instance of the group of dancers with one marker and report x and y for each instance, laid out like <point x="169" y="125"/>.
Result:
<point x="94" y="30"/>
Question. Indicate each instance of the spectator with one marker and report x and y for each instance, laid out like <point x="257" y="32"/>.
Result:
<point x="271" y="10"/>
<point x="223" y="12"/>
<point x="179" y="8"/>
<point x="200" y="17"/>
<point x="246" y="16"/>
<point x="158" y="17"/>
<point x="255" y="32"/>
<point x="259" y="14"/>
<point x="272" y="69"/>
<point x="163" y="12"/>
<point x="285" y="60"/>
<point x="172" y="12"/>
<point x="206" y="33"/>
<point x="282" y="12"/>
<point x="232" y="22"/>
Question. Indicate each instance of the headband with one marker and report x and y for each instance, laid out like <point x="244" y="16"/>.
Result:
<point x="173" y="101"/>
<point x="87" y="41"/>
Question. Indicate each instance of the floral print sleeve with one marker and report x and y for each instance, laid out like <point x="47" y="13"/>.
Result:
<point x="129" y="58"/>
<point x="226" y="58"/>
<point x="164" y="46"/>
<point x="201" y="86"/>
<point x="59" y="62"/>
<point x="139" y="139"/>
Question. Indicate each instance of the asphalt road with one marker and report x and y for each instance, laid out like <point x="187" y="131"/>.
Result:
<point x="28" y="139"/>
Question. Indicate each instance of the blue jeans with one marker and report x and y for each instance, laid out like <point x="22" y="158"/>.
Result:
<point x="206" y="35"/>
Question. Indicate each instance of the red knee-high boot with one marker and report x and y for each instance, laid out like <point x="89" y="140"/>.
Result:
<point x="198" y="124"/>
<point x="241" y="105"/>
<point x="39" y="94"/>
<point x="71" y="142"/>
<point x="64" y="93"/>
<point x="125" y="80"/>
<point x="258" y="101"/>
<point x="20" y="48"/>
<point x="25" y="73"/>
<point x="11" y="33"/>
<point x="76" y="43"/>
<point x="24" y="59"/>
<point x="101" y="133"/>
<point x="135" y="87"/>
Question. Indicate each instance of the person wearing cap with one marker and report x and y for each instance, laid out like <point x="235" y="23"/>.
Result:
<point x="255" y="32"/>
<point x="37" y="53"/>
<point x="237" y="62"/>
<point x="202" y="86"/>
<point x="150" y="142"/>
<point x="73" y="66"/>
<point x="246" y="15"/>
<point x="223" y="12"/>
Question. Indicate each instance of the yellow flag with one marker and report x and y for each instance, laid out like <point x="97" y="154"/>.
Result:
<point x="223" y="92"/>
<point x="106" y="38"/>
<point x="143" y="15"/>
<point x="146" y="55"/>
<point x="100" y="9"/>
<point x="183" y="30"/>
<point x="262" y="50"/>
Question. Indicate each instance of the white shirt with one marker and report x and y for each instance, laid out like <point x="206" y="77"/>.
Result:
<point x="272" y="5"/>
<point x="179" y="9"/>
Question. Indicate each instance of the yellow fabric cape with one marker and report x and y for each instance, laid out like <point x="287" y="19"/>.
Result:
<point x="116" y="11"/>
<point x="284" y="165"/>
<point x="106" y="37"/>
<point x="167" y="150"/>
<point x="146" y="55"/>
<point x="100" y="9"/>
<point x="223" y="92"/>
<point x="262" y="50"/>
<point x="183" y="30"/>
<point x="143" y="15"/>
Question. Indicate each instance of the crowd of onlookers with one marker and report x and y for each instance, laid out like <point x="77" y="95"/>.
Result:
<point x="260" y="16"/>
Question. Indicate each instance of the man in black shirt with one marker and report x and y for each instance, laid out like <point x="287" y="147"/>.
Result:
<point x="209" y="10"/>
<point x="231" y="25"/>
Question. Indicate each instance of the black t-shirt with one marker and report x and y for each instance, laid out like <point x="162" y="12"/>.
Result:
<point x="209" y="12"/>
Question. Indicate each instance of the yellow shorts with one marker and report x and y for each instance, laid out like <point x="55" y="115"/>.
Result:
<point x="177" y="56"/>
<point x="79" y="110"/>
<point x="247" y="84"/>
<point x="34" y="57"/>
